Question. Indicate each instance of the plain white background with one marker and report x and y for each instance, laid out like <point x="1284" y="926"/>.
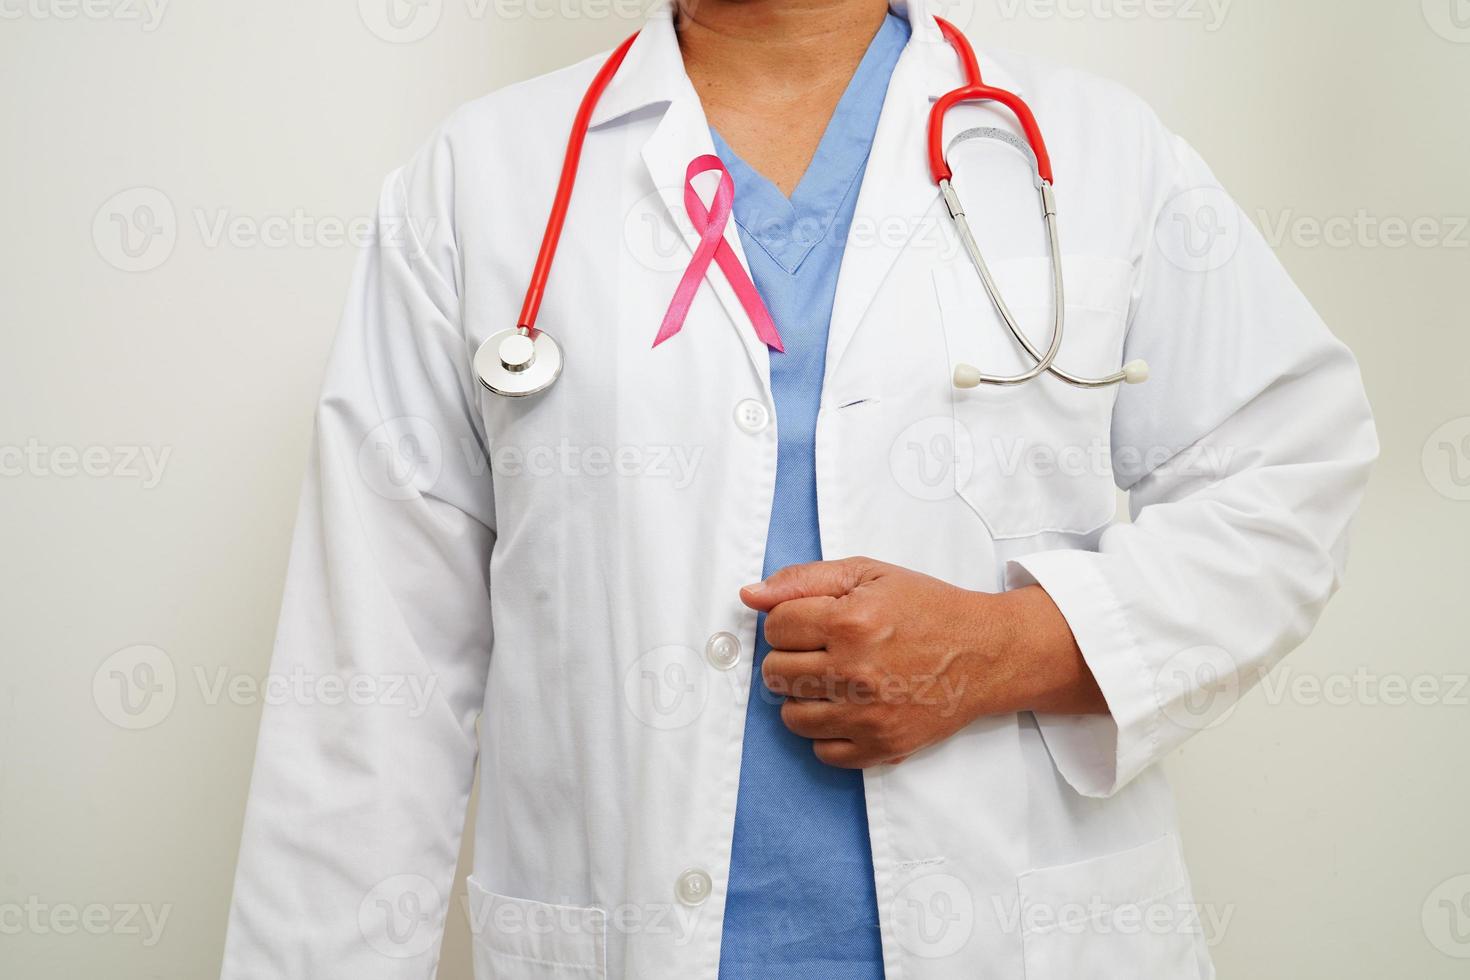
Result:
<point x="179" y="188"/>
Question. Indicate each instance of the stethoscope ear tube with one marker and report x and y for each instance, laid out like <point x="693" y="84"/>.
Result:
<point x="524" y="360"/>
<point x="968" y="376"/>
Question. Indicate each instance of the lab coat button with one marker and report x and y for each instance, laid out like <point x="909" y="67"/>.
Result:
<point x="752" y="416"/>
<point x="693" y="887"/>
<point x="723" y="650"/>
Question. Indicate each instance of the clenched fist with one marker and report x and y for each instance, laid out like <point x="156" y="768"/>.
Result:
<point x="877" y="662"/>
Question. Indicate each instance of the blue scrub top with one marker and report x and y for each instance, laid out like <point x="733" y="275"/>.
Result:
<point x="801" y="903"/>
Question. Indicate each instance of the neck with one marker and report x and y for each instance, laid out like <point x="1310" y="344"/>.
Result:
<point x="776" y="46"/>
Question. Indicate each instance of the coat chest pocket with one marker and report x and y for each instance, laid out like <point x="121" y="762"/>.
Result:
<point x="1036" y="457"/>
<point x="1124" y="914"/>
<point x="518" y="939"/>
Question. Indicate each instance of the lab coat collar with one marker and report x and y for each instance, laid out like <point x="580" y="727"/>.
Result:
<point x="651" y="74"/>
<point x="898" y="194"/>
<point x="943" y="69"/>
<point x="897" y="191"/>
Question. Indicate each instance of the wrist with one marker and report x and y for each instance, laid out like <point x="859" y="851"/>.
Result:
<point x="1048" y="672"/>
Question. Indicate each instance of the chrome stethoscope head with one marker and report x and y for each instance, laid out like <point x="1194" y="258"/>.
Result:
<point x="518" y="362"/>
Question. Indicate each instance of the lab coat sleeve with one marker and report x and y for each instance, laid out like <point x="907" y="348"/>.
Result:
<point x="1245" y="457"/>
<point x="367" y="748"/>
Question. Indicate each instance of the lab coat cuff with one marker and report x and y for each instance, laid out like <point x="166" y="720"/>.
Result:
<point x="1096" y="754"/>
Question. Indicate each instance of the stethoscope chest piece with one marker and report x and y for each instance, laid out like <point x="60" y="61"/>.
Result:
<point x="515" y="363"/>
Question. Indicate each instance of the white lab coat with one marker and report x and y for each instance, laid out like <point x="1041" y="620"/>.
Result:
<point x="535" y="583"/>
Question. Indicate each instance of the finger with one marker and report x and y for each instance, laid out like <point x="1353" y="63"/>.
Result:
<point x="815" y="719"/>
<point x="805" y="674"/>
<point x="799" y="624"/>
<point x="842" y="754"/>
<point x="829" y="578"/>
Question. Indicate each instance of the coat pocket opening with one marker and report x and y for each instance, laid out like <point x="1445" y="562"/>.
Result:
<point x="1129" y="912"/>
<point x="1037" y="457"/>
<point x="522" y="939"/>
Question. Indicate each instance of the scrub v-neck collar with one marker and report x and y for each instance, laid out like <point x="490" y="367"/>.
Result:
<point x="788" y="229"/>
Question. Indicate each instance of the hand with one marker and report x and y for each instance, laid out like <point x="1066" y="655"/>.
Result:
<point x="878" y="662"/>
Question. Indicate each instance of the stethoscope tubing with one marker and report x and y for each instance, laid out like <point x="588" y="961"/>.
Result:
<point x="1059" y="305"/>
<point x="974" y="90"/>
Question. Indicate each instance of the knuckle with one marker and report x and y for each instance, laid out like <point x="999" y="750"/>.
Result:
<point x="892" y="744"/>
<point x="836" y="754"/>
<point x="882" y="741"/>
<point x="864" y="682"/>
<point x="774" y="681"/>
<point x="853" y="621"/>
<point x="803" y="686"/>
<point x="866" y="723"/>
<point x="886" y="733"/>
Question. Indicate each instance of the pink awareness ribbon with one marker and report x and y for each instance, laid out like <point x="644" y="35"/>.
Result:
<point x="712" y="247"/>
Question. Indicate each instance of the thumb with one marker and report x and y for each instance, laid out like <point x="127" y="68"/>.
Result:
<point x="819" y="578"/>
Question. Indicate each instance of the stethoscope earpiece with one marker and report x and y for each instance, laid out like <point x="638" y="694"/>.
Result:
<point x="968" y="376"/>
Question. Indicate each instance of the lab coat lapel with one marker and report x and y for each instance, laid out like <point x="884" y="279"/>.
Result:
<point x="896" y="197"/>
<point x="653" y="75"/>
<point x="682" y="135"/>
<point x="899" y="199"/>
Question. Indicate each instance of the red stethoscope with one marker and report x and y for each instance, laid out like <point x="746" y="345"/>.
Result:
<point x="524" y="360"/>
